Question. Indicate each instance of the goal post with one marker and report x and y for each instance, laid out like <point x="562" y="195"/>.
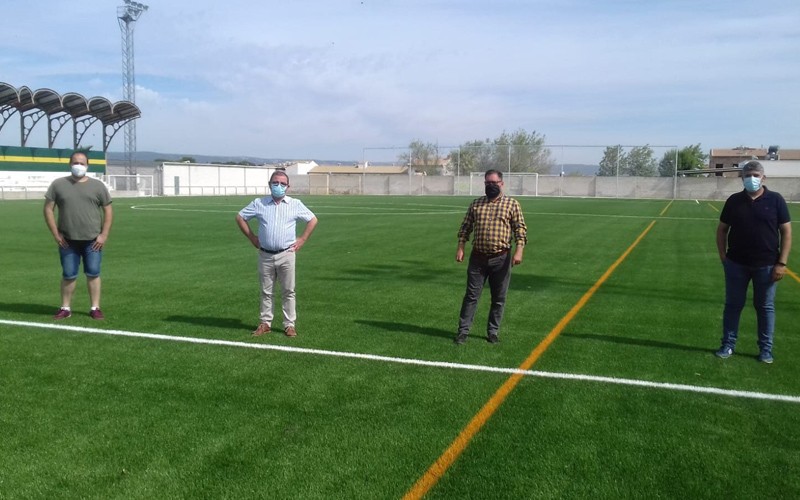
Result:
<point x="130" y="185"/>
<point x="514" y="183"/>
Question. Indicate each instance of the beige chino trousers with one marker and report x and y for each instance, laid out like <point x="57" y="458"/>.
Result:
<point x="280" y="268"/>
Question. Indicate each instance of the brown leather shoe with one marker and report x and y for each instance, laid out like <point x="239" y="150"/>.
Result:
<point x="291" y="332"/>
<point x="261" y="330"/>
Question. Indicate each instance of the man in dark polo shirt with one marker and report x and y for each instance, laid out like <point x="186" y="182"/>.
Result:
<point x="754" y="238"/>
<point x="493" y="219"/>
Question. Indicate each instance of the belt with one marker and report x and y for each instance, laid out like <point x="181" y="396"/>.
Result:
<point x="490" y="255"/>
<point x="273" y="252"/>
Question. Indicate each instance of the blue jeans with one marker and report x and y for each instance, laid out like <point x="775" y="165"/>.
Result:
<point x="737" y="279"/>
<point x="72" y="255"/>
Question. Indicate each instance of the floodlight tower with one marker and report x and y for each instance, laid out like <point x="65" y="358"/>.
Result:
<point x="127" y="15"/>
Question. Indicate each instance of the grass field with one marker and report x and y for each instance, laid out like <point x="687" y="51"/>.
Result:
<point x="629" y="292"/>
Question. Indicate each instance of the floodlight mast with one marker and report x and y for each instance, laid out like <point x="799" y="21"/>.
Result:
<point x="127" y="15"/>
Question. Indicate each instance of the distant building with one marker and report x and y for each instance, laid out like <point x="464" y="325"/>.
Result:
<point x="777" y="162"/>
<point x="360" y="169"/>
<point x="300" y="167"/>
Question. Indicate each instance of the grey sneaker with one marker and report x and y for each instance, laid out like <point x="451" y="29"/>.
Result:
<point x="724" y="352"/>
<point x="765" y="357"/>
<point x="492" y="338"/>
<point x="461" y="338"/>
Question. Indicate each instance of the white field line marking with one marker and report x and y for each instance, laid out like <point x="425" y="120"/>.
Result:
<point x="163" y="208"/>
<point x="562" y="214"/>
<point x="236" y="208"/>
<point x="355" y="212"/>
<point x="420" y="362"/>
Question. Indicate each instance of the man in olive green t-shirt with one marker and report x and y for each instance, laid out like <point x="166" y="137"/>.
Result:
<point x="84" y="221"/>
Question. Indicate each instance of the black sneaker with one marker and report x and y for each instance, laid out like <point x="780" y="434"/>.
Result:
<point x="492" y="338"/>
<point x="461" y="338"/>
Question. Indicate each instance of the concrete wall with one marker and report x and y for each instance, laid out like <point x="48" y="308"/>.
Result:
<point x="217" y="180"/>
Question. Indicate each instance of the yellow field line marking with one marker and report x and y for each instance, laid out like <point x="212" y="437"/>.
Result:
<point x="443" y="463"/>
<point x="666" y="208"/>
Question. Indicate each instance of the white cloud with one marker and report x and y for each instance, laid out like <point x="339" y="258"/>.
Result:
<point x="315" y="78"/>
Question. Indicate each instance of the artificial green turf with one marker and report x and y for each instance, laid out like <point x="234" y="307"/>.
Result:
<point x="87" y="415"/>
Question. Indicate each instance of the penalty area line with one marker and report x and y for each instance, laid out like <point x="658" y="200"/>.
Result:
<point x="417" y="362"/>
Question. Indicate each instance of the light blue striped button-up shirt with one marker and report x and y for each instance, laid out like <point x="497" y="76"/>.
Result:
<point x="277" y="222"/>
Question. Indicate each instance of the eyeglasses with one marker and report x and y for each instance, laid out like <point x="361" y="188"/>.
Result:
<point x="492" y="183"/>
<point x="276" y="183"/>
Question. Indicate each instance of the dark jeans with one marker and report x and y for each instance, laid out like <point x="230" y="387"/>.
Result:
<point x="737" y="279"/>
<point x="497" y="270"/>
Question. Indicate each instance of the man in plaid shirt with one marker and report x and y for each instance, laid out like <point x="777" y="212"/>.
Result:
<point x="493" y="219"/>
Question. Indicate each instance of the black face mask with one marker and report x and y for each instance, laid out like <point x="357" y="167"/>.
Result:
<point x="492" y="191"/>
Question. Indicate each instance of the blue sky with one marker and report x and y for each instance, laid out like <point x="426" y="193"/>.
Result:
<point x="326" y="79"/>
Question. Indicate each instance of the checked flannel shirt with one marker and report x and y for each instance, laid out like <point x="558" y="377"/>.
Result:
<point x="493" y="223"/>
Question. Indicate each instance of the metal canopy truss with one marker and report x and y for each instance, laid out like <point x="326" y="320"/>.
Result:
<point x="55" y="123"/>
<point x="29" y="118"/>
<point x="60" y="109"/>
<point x="79" y="128"/>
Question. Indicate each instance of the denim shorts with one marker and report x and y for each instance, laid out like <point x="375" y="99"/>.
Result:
<point x="72" y="255"/>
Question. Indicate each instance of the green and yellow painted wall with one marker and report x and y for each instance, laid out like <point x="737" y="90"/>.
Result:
<point x="17" y="159"/>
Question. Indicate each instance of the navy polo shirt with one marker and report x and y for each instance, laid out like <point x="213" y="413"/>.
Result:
<point x="754" y="237"/>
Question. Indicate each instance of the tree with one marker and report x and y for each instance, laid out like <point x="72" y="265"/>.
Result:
<point x="518" y="151"/>
<point x="641" y="162"/>
<point x="666" y="167"/>
<point x="689" y="158"/>
<point x="614" y="161"/>
<point x="471" y="156"/>
<point x="527" y="152"/>
<point x="422" y="157"/>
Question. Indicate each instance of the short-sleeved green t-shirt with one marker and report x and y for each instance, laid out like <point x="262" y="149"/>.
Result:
<point x="79" y="206"/>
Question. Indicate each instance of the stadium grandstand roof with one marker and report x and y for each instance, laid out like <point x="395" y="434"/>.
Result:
<point x="61" y="109"/>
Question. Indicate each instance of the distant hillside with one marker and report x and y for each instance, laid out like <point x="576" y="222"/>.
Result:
<point x="144" y="157"/>
<point x="150" y="156"/>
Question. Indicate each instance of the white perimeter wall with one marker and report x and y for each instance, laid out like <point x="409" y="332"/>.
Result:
<point x="192" y="179"/>
<point x="224" y="180"/>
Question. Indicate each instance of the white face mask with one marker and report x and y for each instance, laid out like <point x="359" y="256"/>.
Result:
<point x="78" y="170"/>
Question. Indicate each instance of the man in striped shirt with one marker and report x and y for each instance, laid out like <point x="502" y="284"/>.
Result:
<point x="493" y="219"/>
<point x="278" y="244"/>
